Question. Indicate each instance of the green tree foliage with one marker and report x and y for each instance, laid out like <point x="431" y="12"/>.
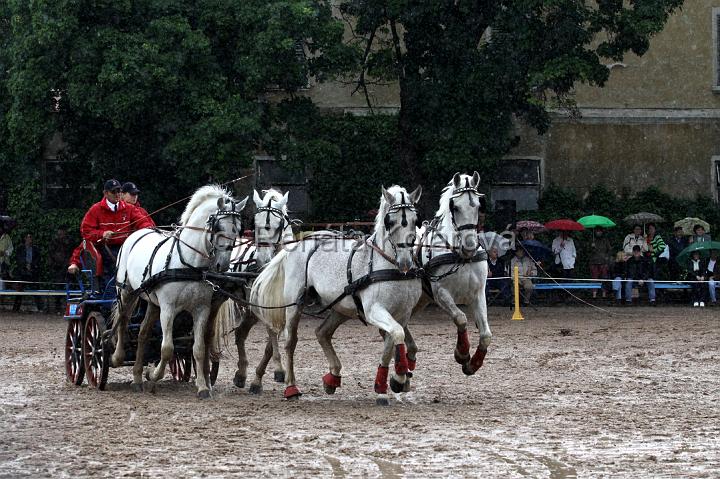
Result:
<point x="467" y="69"/>
<point x="168" y="93"/>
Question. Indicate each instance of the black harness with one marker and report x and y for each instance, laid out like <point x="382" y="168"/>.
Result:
<point x="188" y="272"/>
<point x="354" y="286"/>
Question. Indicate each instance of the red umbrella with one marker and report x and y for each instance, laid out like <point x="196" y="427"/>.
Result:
<point x="564" y="225"/>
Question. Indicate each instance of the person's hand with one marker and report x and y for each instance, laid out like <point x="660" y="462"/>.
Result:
<point x="641" y="282"/>
<point x="107" y="235"/>
<point x="73" y="269"/>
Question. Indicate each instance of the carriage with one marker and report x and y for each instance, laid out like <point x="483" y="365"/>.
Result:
<point x="89" y="343"/>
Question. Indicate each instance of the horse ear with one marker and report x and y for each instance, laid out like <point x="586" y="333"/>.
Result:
<point x="240" y="205"/>
<point x="456" y="180"/>
<point x="475" y="179"/>
<point x="389" y="199"/>
<point x="221" y="203"/>
<point x="415" y="195"/>
<point x="257" y="199"/>
<point x="284" y="200"/>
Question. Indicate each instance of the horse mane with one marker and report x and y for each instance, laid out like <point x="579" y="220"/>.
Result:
<point x="384" y="207"/>
<point x="200" y="196"/>
<point x="444" y="211"/>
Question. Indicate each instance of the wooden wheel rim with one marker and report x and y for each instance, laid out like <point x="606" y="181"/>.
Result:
<point x="74" y="367"/>
<point x="93" y="355"/>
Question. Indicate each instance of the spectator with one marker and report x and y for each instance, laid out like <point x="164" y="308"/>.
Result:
<point x="130" y="194"/>
<point x="635" y="238"/>
<point x="676" y="244"/>
<point x="655" y="243"/>
<point x="618" y="273"/>
<point x="699" y="235"/>
<point x="638" y="272"/>
<point x="58" y="252"/>
<point x="600" y="257"/>
<point x="109" y="222"/>
<point x="713" y="274"/>
<point x="527" y="270"/>
<point x="27" y="259"/>
<point x="697" y="268"/>
<point x="6" y="250"/>
<point x="564" y="249"/>
<point x="496" y="269"/>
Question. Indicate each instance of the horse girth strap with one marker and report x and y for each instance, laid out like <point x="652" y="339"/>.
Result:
<point x="453" y="258"/>
<point x="173" y="275"/>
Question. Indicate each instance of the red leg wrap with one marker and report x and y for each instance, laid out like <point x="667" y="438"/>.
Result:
<point x="292" y="391"/>
<point x="477" y="360"/>
<point x="331" y="380"/>
<point x="401" y="361"/>
<point x="411" y="364"/>
<point x="381" y="380"/>
<point x="463" y="343"/>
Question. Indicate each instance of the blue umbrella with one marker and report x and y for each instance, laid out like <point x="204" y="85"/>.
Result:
<point x="536" y="249"/>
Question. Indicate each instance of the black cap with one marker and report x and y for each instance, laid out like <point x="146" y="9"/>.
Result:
<point x="129" y="187"/>
<point x="111" y="184"/>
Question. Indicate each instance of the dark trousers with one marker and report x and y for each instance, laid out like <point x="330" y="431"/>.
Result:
<point x="503" y="285"/>
<point x="109" y="255"/>
<point x="699" y="291"/>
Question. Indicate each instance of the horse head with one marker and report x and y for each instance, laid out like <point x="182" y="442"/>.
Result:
<point x="395" y="224"/>
<point x="271" y="223"/>
<point x="464" y="205"/>
<point x="224" y="227"/>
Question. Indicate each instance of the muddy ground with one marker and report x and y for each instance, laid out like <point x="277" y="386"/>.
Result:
<point x="567" y="392"/>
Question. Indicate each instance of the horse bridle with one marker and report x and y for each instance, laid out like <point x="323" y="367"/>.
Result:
<point x="403" y="207"/>
<point x="211" y="228"/>
<point x="284" y="223"/>
<point x="457" y="192"/>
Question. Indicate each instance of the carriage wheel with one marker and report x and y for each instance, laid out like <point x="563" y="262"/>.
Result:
<point x="74" y="367"/>
<point x="95" y="356"/>
<point x="181" y="368"/>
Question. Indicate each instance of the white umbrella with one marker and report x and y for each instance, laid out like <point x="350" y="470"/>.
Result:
<point x="491" y="239"/>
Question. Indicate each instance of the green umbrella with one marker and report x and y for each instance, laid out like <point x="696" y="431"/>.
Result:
<point x="703" y="246"/>
<point x="596" y="221"/>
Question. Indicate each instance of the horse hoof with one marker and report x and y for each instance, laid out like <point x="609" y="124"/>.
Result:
<point x="329" y="389"/>
<point x="409" y="375"/>
<point x="461" y="358"/>
<point x="255" y="389"/>
<point x="149" y="387"/>
<point x="382" y="402"/>
<point x="467" y="369"/>
<point x="396" y="386"/>
<point x="204" y="394"/>
<point x="279" y="376"/>
<point x="292" y="393"/>
<point x="239" y="380"/>
<point x="137" y="387"/>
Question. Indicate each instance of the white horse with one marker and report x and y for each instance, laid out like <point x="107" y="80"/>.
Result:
<point x="210" y="226"/>
<point x="456" y="267"/>
<point x="273" y="228"/>
<point x="319" y="269"/>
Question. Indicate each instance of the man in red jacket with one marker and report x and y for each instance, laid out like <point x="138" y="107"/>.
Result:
<point x="109" y="222"/>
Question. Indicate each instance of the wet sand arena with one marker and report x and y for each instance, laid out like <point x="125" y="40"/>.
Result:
<point x="567" y="392"/>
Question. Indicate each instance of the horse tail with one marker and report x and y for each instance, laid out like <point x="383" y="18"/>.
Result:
<point x="268" y="292"/>
<point x="225" y="323"/>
